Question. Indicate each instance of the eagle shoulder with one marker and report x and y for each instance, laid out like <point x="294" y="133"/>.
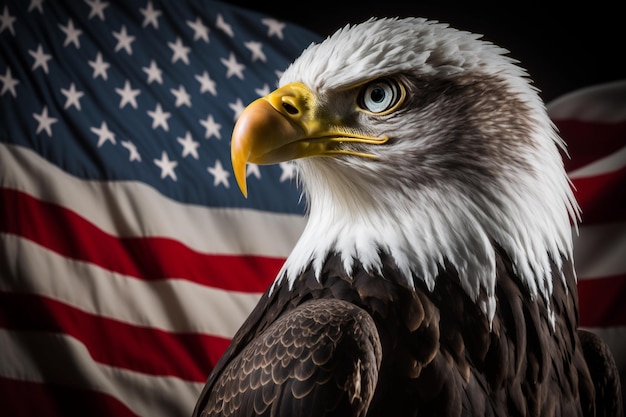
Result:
<point x="319" y="358"/>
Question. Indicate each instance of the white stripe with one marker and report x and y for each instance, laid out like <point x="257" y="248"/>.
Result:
<point x="604" y="103"/>
<point x="60" y="359"/>
<point x="608" y="164"/>
<point x="615" y="337"/>
<point x="130" y="208"/>
<point x="171" y="305"/>
<point x="600" y="250"/>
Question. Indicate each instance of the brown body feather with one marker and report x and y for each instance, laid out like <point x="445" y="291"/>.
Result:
<point x="390" y="350"/>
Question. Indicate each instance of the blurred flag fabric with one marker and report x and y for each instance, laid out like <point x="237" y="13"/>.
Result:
<point x="592" y="121"/>
<point x="128" y="256"/>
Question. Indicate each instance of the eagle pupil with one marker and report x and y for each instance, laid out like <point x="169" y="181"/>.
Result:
<point x="378" y="95"/>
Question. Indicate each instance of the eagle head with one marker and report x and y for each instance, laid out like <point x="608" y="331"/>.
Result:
<point x="423" y="143"/>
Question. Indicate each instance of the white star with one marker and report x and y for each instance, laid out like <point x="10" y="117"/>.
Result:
<point x="150" y="15"/>
<point x="223" y="26"/>
<point x="253" y="169"/>
<point x="200" y="31"/>
<point x="132" y="149"/>
<point x="97" y="8"/>
<point x="237" y="107"/>
<point x="182" y="98"/>
<point x="154" y="72"/>
<point x="167" y="166"/>
<point x="71" y="34"/>
<point x="129" y="96"/>
<point x="289" y="171"/>
<point x="255" y="48"/>
<point x="159" y="117"/>
<point x="212" y="128"/>
<point x="274" y="27"/>
<point x="104" y="134"/>
<point x="45" y="121"/>
<point x="220" y="175"/>
<point x="99" y="67"/>
<point x="263" y="91"/>
<point x="36" y="4"/>
<point x="6" y="21"/>
<point x="234" y="67"/>
<point x="124" y="40"/>
<point x="41" y="59"/>
<point x="8" y="83"/>
<point x="206" y="83"/>
<point x="72" y="96"/>
<point x="180" y="51"/>
<point x="190" y="146"/>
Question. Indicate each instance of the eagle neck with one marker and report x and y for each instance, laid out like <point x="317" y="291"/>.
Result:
<point x="427" y="231"/>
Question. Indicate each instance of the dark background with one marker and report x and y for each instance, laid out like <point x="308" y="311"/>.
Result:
<point x="563" y="47"/>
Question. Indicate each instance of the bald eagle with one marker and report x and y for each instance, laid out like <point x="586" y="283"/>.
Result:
<point x="434" y="276"/>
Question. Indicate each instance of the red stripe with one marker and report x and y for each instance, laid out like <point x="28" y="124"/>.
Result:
<point x="149" y="258"/>
<point x="602" y="301"/>
<point x="27" y="399"/>
<point x="589" y="141"/>
<point x="190" y="356"/>
<point x="602" y="198"/>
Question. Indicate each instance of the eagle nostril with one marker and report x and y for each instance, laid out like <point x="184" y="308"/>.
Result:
<point x="289" y="108"/>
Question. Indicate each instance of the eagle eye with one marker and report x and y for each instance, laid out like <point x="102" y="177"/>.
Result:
<point x="381" y="96"/>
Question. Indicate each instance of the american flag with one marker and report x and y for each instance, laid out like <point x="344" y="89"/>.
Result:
<point x="128" y="256"/>
<point x="592" y="121"/>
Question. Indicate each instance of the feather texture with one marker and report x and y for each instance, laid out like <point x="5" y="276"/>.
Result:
<point x="434" y="276"/>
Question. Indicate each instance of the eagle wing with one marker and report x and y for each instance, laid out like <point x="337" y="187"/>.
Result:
<point x="604" y="374"/>
<point x="320" y="358"/>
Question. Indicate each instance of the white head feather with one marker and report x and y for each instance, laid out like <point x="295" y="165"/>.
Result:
<point x="412" y="203"/>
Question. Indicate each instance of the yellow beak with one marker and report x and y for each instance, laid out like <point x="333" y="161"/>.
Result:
<point x="284" y="125"/>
